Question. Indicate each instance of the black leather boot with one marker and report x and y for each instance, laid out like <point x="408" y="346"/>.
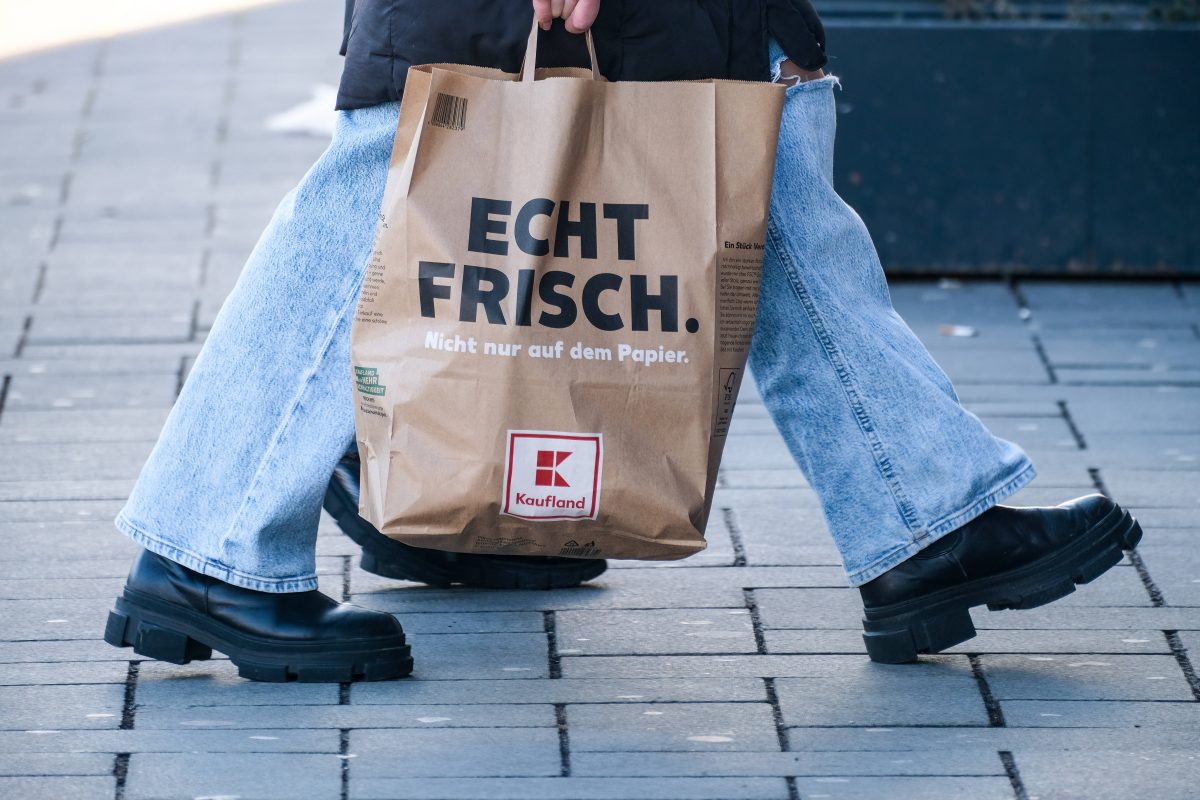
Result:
<point x="1005" y="558"/>
<point x="392" y="559"/>
<point x="171" y="613"/>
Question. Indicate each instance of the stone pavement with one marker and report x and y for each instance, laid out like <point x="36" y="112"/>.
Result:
<point x="136" y="173"/>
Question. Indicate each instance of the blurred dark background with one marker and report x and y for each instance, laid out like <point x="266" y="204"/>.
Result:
<point x="1019" y="137"/>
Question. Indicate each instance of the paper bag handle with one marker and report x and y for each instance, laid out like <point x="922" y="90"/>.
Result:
<point x="530" y="64"/>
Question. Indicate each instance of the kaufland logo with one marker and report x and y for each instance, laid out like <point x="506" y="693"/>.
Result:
<point x="550" y="475"/>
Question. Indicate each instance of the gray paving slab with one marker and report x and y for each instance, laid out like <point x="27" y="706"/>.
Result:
<point x="97" y="588"/>
<point x="101" y="461"/>
<point x="565" y="690"/>
<point x="1151" y="517"/>
<point x="571" y="788"/>
<point x="50" y="652"/>
<point x="22" y="570"/>
<point x="1109" y="775"/>
<point x="744" y="666"/>
<point x="1172" y="571"/>
<point x="1150" y="352"/>
<point x="82" y="391"/>
<point x="250" y="740"/>
<point x="49" y="329"/>
<point x="1155" y="375"/>
<point x="985" y="641"/>
<point x="779" y="527"/>
<point x="942" y="692"/>
<point x="671" y="727"/>
<point x="967" y="788"/>
<point x="479" y="622"/>
<point x="875" y="741"/>
<point x="61" y="427"/>
<point x="80" y="364"/>
<point x="269" y="776"/>
<point x="978" y="761"/>
<point x="63" y="672"/>
<point x="160" y="714"/>
<point x="720" y="630"/>
<point x="1064" y="617"/>
<point x="1160" y="488"/>
<point x="61" y="707"/>
<point x="1085" y="677"/>
<point x="55" y="491"/>
<point x="58" y="787"/>
<point x="456" y="752"/>
<point x="35" y="765"/>
<point x="456" y="656"/>
<point x="1172" y="716"/>
<point x="73" y="544"/>
<point x="1169" y="543"/>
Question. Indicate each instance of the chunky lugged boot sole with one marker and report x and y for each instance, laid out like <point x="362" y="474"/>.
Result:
<point x="486" y="574"/>
<point x="167" y="632"/>
<point x="411" y="564"/>
<point x="898" y="634"/>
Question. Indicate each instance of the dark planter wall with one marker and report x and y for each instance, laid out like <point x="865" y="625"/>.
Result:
<point x="1048" y="148"/>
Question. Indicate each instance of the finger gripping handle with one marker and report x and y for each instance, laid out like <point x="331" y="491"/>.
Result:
<point x="530" y="63"/>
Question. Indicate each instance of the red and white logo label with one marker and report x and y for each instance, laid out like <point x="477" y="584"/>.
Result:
<point x="551" y="475"/>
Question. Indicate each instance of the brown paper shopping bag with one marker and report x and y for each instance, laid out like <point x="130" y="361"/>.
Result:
<point x="555" y="320"/>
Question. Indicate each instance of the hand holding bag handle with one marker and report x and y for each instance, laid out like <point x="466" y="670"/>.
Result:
<point x="530" y="64"/>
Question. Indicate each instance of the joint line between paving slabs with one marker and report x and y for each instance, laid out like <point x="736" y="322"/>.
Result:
<point x="564" y="740"/>
<point x="735" y="536"/>
<point x="120" y="775"/>
<point x="39" y="286"/>
<point x="346" y="578"/>
<point x="760" y="640"/>
<point x="344" y="757"/>
<point x="194" y="320"/>
<point x="1077" y="434"/>
<point x="1014" y="775"/>
<point x="129" y="704"/>
<point x="1040" y="349"/>
<point x="553" y="659"/>
<point x="1026" y="315"/>
<point x="26" y="326"/>
<point x="4" y="384"/>
<point x="781" y="733"/>
<point x="1135" y="558"/>
<point x="1185" y="662"/>
<point x="990" y="704"/>
<point x="181" y="375"/>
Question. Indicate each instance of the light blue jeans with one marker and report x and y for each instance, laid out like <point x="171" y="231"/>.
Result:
<point x="234" y="486"/>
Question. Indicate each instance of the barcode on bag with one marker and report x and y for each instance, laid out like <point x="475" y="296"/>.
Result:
<point x="449" y="112"/>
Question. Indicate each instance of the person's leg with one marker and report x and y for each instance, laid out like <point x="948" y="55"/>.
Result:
<point x="226" y="508"/>
<point x="910" y="482"/>
<point x="870" y="417"/>
<point x="233" y="488"/>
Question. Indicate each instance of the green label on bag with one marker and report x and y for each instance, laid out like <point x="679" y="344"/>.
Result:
<point x="367" y="380"/>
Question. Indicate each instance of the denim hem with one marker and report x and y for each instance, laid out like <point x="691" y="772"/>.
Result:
<point x="947" y="524"/>
<point x="209" y="567"/>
